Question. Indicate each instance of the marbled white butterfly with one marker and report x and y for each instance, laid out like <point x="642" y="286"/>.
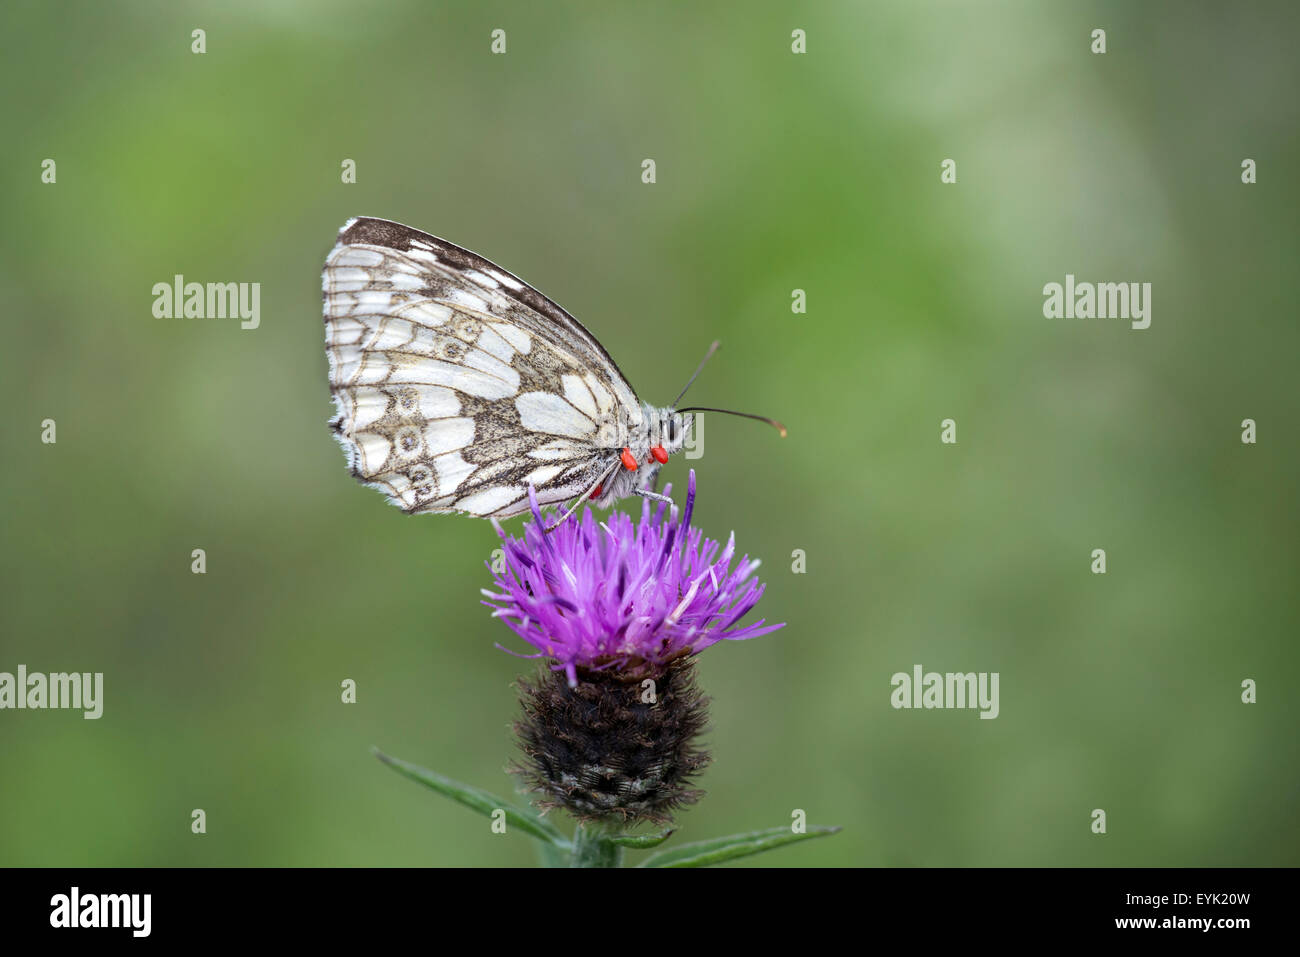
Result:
<point x="457" y="385"/>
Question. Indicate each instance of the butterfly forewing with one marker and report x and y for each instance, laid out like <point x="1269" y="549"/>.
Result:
<point x="456" y="384"/>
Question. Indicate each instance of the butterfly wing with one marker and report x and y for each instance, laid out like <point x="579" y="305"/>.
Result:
<point x="456" y="384"/>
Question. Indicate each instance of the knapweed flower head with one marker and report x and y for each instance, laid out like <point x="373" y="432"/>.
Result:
<point x="623" y="595"/>
<point x="616" y="610"/>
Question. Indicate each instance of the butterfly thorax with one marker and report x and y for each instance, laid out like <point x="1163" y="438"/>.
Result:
<point x="660" y="433"/>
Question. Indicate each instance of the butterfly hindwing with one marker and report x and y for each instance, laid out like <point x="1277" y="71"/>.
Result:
<point x="457" y="385"/>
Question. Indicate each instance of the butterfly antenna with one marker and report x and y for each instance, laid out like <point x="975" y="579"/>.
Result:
<point x="744" y="415"/>
<point x="698" y="369"/>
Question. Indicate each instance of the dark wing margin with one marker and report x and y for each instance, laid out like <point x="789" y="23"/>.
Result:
<point x="383" y="232"/>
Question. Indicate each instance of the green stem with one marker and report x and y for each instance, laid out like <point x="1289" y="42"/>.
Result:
<point x="592" y="847"/>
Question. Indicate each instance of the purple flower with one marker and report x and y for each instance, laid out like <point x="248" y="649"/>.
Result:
<point x="622" y="595"/>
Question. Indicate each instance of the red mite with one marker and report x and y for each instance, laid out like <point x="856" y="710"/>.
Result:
<point x="595" y="492"/>
<point x="659" y="455"/>
<point x="628" y="460"/>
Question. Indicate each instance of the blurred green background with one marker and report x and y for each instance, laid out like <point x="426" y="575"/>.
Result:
<point x="775" y="171"/>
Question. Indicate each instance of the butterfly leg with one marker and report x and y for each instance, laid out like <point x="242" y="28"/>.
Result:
<point x="646" y="493"/>
<point x="572" y="508"/>
<point x="585" y="496"/>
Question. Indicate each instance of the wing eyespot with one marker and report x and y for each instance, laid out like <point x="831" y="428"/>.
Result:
<point x="407" y="440"/>
<point x="453" y="350"/>
<point x="467" y="327"/>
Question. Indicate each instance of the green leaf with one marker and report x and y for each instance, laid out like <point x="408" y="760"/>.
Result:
<point x="476" y="799"/>
<point x="640" y="841"/>
<point x="704" y="853"/>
